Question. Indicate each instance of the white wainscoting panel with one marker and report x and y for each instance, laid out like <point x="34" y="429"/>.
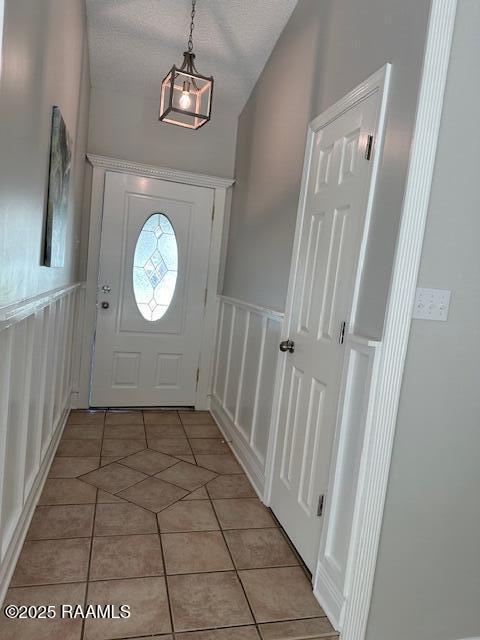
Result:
<point x="331" y="582"/>
<point x="35" y="386"/>
<point x="243" y="384"/>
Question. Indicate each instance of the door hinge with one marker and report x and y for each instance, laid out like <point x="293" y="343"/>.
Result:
<point x="198" y="375"/>
<point x="321" y="500"/>
<point x="213" y="211"/>
<point x="369" y="147"/>
<point x="341" y="337"/>
<point x="205" y="301"/>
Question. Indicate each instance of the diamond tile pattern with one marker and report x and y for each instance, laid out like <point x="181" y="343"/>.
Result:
<point x="131" y="490"/>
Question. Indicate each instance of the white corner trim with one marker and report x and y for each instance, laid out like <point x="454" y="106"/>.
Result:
<point x="164" y="173"/>
<point x="375" y="464"/>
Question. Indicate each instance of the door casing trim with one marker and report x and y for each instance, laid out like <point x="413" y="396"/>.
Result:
<point x="385" y="393"/>
<point x="94" y="212"/>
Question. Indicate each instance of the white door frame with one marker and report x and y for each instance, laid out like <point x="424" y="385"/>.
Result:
<point x="86" y="325"/>
<point x="385" y="383"/>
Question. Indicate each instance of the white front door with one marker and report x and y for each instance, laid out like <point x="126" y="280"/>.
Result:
<point x="330" y="228"/>
<point x="151" y="292"/>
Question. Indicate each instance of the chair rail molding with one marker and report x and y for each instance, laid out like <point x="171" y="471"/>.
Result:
<point x="243" y="381"/>
<point x="36" y="379"/>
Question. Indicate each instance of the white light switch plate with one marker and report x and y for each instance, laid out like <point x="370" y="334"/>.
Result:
<point x="431" y="304"/>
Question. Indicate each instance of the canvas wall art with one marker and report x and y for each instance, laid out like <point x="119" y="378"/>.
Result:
<point x="58" y="191"/>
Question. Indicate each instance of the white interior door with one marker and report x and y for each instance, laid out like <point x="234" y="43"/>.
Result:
<point x="330" y="229"/>
<point x="151" y="292"/>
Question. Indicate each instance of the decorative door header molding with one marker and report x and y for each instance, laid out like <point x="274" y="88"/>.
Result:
<point x="163" y="173"/>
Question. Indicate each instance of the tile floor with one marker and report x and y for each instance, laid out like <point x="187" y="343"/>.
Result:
<point x="150" y="509"/>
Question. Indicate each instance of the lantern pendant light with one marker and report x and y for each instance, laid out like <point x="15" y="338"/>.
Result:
<point x="186" y="95"/>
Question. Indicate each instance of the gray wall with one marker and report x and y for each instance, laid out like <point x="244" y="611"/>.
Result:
<point x="45" y="63"/>
<point x="127" y="127"/>
<point x="427" y="584"/>
<point x="326" y="49"/>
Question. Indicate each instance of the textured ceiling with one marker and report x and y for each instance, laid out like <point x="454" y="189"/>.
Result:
<point x="133" y="43"/>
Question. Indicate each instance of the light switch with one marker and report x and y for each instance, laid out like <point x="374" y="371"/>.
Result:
<point x="431" y="304"/>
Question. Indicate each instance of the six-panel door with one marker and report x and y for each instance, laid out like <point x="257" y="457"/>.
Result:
<point x="331" y="228"/>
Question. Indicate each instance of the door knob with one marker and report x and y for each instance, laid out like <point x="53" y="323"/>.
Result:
<point x="287" y="345"/>
<point x="105" y="304"/>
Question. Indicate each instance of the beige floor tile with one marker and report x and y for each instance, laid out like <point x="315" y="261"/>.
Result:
<point x="209" y="445"/>
<point x="219" y="463"/>
<point x="153" y="494"/>
<point x="86" y="417"/>
<point x="196" y="417"/>
<point x="298" y="629"/>
<point x="197" y="515"/>
<point x="231" y="633"/>
<point x="172" y="446"/>
<point x="83" y="432"/>
<point x="124" y="417"/>
<point x="186" y="457"/>
<point x="242" y="513"/>
<point x="124" y="431"/>
<point x="61" y="521"/>
<point x="122" y="446"/>
<point x="167" y="636"/>
<point x="52" y="561"/>
<point x="79" y="448"/>
<point x="257" y="548"/>
<point x="123" y="519"/>
<point x="161" y="417"/>
<point x="195" y="552"/>
<point x="134" y="556"/>
<point x="67" y="491"/>
<point x="113" y="477"/>
<point x="109" y="459"/>
<point x="187" y="476"/>
<point x="203" y="431"/>
<point x="72" y="467"/>
<point x="147" y="598"/>
<point x="280" y="594"/>
<point x="198" y="494"/>
<point x="51" y="629"/>
<point x="104" y="497"/>
<point x="149" y="462"/>
<point x="207" y="600"/>
<point x="165" y="431"/>
<point x="230" y="487"/>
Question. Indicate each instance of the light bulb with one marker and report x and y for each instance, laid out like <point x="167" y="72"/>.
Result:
<point x="185" y="100"/>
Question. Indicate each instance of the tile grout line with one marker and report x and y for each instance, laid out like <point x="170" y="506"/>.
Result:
<point x="165" y="574"/>
<point x="87" y="582"/>
<point x="234" y="566"/>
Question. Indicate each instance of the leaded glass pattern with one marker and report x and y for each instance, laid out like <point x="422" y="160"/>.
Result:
<point x="155" y="267"/>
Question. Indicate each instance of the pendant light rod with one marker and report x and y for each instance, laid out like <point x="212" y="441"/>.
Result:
<point x="192" y="26"/>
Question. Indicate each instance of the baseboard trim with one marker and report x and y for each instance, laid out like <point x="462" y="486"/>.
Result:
<point x="328" y="596"/>
<point x="18" y="538"/>
<point x="240" y="450"/>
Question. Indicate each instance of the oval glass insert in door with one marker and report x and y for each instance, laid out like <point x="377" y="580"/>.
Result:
<point x="155" y="267"/>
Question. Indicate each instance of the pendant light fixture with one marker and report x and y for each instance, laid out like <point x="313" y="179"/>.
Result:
<point x="186" y="95"/>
